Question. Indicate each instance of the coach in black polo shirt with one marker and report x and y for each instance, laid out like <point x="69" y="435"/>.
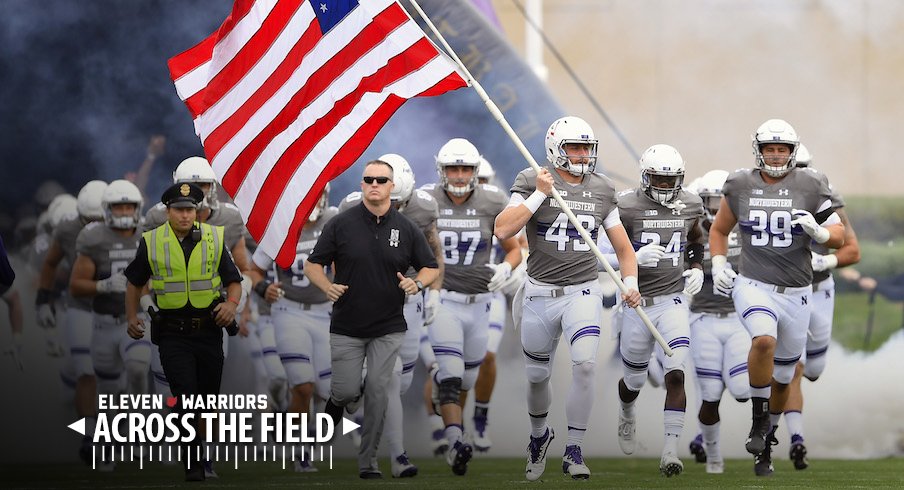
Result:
<point x="371" y="246"/>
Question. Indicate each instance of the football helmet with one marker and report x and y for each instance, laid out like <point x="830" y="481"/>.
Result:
<point x="485" y="172"/>
<point x="775" y="131"/>
<point x="710" y="191"/>
<point x="402" y="178"/>
<point x="568" y="130"/>
<point x="803" y="158"/>
<point x="62" y="207"/>
<point x="661" y="173"/>
<point x="122" y="192"/>
<point x="457" y="152"/>
<point x="48" y="190"/>
<point x="197" y="170"/>
<point x="90" y="199"/>
<point x="322" y="204"/>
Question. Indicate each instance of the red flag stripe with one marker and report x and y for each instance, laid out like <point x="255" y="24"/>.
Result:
<point x="250" y="53"/>
<point x="346" y="62"/>
<point x="322" y="162"/>
<point x="270" y="193"/>
<point x="306" y="89"/>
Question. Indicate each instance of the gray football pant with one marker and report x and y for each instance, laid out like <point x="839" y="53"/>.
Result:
<point x="348" y="355"/>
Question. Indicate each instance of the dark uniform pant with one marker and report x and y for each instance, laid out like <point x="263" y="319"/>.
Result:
<point x="193" y="365"/>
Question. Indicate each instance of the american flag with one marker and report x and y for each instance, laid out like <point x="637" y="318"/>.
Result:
<point x="287" y="94"/>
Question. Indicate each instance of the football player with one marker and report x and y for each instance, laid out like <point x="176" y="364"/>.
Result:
<point x="562" y="294"/>
<point x="664" y="224"/>
<point x="780" y="210"/>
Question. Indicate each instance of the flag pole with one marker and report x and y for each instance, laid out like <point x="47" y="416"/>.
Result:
<point x="500" y="118"/>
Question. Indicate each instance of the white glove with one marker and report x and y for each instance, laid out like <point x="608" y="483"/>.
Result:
<point x="246" y="291"/>
<point x="431" y="306"/>
<point x="806" y="221"/>
<point x="113" y="284"/>
<point x="823" y="262"/>
<point x="46" y="317"/>
<point x="511" y="285"/>
<point x="502" y="272"/>
<point x="147" y="301"/>
<point x="649" y="255"/>
<point x="693" y="281"/>
<point x="723" y="276"/>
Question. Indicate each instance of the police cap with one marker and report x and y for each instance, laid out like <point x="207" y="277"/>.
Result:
<point x="182" y="195"/>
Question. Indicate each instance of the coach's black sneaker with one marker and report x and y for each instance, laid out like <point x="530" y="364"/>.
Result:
<point x="762" y="462"/>
<point x="798" y="453"/>
<point x="697" y="449"/>
<point x="759" y="430"/>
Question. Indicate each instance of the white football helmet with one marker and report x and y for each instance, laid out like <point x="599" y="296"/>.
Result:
<point x="567" y="130"/>
<point x="63" y="207"/>
<point x="402" y="178"/>
<point x="775" y="131"/>
<point x="661" y="173"/>
<point x="197" y="170"/>
<point x="90" y="201"/>
<point x="485" y="172"/>
<point x="322" y="204"/>
<point x="122" y="192"/>
<point x="48" y="190"/>
<point x="710" y="191"/>
<point x="457" y="152"/>
<point x="694" y="186"/>
<point x="803" y="158"/>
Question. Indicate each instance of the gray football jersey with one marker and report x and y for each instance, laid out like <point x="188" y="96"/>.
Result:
<point x="297" y="286"/>
<point x="558" y="254"/>
<point x="647" y="221"/>
<point x="773" y="251"/>
<point x="111" y="253"/>
<point x="837" y="202"/>
<point x="421" y="209"/>
<point x="66" y="234"/>
<point x="227" y="216"/>
<point x="466" y="236"/>
<point x="706" y="301"/>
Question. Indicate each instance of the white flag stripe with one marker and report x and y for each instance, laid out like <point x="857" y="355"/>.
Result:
<point x="284" y="213"/>
<point x="342" y="86"/>
<point x="242" y="32"/>
<point x="245" y="88"/>
<point x="343" y="34"/>
<point x="193" y="81"/>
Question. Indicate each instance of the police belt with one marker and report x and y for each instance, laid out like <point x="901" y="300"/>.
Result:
<point x="186" y="324"/>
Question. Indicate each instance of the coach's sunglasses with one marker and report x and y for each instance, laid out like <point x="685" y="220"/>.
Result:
<point x="380" y="180"/>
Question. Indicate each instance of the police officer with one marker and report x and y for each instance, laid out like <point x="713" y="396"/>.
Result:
<point x="187" y="289"/>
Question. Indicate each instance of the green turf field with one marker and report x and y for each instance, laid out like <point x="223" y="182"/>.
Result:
<point x="482" y="473"/>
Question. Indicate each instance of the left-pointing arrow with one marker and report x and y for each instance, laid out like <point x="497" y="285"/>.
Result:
<point x="78" y="426"/>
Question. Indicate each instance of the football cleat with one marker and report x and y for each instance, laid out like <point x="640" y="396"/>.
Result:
<point x="759" y="430"/>
<point x="209" y="472"/>
<point x="402" y="467"/>
<point x="762" y="462"/>
<point x="697" y="449"/>
<point x="458" y="457"/>
<point x="626" y="429"/>
<point x="670" y="465"/>
<point x="573" y="463"/>
<point x="304" y="466"/>
<point x="798" y="455"/>
<point x="536" y="454"/>
<point x="482" y="442"/>
<point x="715" y="467"/>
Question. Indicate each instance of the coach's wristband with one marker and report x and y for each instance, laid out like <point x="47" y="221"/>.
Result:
<point x="534" y="201"/>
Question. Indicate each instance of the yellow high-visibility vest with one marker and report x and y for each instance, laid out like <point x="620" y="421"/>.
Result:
<point x="174" y="283"/>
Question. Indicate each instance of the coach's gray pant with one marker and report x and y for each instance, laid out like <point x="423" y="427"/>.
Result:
<point x="348" y="354"/>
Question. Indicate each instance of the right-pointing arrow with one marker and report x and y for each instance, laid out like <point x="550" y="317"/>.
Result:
<point x="78" y="426"/>
<point x="347" y="426"/>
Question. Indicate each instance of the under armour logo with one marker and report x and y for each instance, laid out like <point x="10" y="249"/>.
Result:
<point x="471" y="212"/>
<point x="803" y="300"/>
<point x="587" y="194"/>
<point x="783" y="192"/>
<point x="677" y="300"/>
<point x="393" y="237"/>
<point x="586" y="292"/>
